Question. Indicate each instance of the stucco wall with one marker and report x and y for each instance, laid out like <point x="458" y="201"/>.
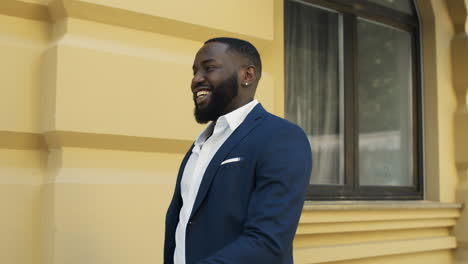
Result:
<point x="96" y="114"/>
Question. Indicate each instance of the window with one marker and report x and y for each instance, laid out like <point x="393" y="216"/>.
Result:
<point x="352" y="82"/>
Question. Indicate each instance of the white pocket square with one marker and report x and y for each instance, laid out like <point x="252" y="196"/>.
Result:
<point x="231" y="160"/>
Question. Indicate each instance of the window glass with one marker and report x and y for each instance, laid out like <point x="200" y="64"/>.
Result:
<point x="385" y="96"/>
<point x="313" y="98"/>
<point x="352" y="83"/>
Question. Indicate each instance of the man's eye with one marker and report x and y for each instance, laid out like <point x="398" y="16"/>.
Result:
<point x="210" y="68"/>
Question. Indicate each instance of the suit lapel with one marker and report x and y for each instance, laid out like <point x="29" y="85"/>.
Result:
<point x="251" y="121"/>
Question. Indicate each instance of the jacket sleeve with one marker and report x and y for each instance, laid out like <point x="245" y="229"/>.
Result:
<point x="172" y="219"/>
<point x="282" y="177"/>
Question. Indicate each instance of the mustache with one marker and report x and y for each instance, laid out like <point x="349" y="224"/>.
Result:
<point x="204" y="85"/>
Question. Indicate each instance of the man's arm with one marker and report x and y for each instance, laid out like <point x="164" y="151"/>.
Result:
<point x="172" y="219"/>
<point x="282" y="178"/>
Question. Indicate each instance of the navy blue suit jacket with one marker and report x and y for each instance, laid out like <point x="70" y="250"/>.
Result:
<point x="247" y="212"/>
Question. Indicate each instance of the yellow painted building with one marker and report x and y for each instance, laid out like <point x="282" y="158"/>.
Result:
<point x="96" y="115"/>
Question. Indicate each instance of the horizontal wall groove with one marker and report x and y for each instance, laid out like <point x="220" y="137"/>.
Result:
<point x="24" y="10"/>
<point x="21" y="140"/>
<point x="384" y="215"/>
<point x="339" y="227"/>
<point x="323" y="254"/>
<point x="58" y="139"/>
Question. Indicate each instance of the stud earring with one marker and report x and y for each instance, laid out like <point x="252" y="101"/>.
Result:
<point x="246" y="84"/>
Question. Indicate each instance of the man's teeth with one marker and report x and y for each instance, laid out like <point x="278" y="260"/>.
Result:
<point x="200" y="93"/>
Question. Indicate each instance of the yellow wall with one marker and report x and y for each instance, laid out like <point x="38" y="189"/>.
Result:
<point x="23" y="155"/>
<point x="96" y="115"/>
<point x="459" y="57"/>
<point x="439" y="101"/>
<point x="21" y="174"/>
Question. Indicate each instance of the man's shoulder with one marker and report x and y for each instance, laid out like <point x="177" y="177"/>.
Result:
<point x="273" y="120"/>
<point x="272" y="127"/>
<point x="279" y="136"/>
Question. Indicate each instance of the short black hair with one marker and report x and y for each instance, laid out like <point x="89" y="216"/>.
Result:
<point x="243" y="48"/>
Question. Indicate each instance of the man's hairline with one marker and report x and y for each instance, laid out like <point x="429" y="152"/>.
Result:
<point x="230" y="50"/>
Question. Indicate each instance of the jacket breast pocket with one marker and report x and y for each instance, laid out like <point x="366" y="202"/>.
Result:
<point x="231" y="169"/>
<point x="233" y="160"/>
<point x="233" y="185"/>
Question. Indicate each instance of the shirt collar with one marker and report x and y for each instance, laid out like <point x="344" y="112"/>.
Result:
<point x="233" y="119"/>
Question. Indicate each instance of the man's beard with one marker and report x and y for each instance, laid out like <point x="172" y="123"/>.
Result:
<point x="221" y="96"/>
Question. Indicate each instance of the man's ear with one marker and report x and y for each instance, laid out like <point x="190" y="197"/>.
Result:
<point x="249" y="75"/>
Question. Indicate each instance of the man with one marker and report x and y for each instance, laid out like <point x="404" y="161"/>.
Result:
<point x="241" y="187"/>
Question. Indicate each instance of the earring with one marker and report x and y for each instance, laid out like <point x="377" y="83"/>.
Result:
<point x="246" y="84"/>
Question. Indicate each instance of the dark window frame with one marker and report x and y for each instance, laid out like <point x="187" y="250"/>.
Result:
<point x="351" y="190"/>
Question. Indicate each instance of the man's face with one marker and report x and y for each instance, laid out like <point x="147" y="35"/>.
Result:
<point x="214" y="83"/>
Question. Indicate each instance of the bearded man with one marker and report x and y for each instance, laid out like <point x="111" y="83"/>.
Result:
<point x="241" y="186"/>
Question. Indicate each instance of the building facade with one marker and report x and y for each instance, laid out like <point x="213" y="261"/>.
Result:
<point x="96" y="115"/>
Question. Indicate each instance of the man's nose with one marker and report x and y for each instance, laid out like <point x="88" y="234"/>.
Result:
<point x="197" y="78"/>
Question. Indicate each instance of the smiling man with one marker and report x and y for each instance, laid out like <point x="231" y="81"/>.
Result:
<point x="241" y="186"/>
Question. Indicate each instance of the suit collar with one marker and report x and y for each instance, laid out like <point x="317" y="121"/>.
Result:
<point x="231" y="120"/>
<point x="251" y="121"/>
<point x="236" y="117"/>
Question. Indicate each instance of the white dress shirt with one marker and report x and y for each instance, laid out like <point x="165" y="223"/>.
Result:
<point x="203" y="151"/>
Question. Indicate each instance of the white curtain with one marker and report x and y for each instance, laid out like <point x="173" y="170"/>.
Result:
<point x="313" y="98"/>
